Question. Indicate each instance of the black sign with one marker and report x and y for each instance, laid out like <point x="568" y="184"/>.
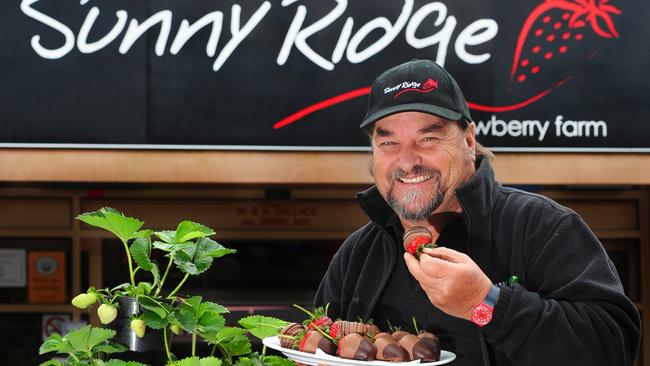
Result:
<point x="294" y="74"/>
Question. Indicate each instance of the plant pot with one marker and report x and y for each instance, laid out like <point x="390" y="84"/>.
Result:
<point x="148" y="349"/>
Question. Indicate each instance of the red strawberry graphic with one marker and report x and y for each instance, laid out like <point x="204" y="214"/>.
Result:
<point x="430" y="84"/>
<point x="553" y="27"/>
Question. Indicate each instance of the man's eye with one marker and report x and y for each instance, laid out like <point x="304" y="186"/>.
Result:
<point x="387" y="143"/>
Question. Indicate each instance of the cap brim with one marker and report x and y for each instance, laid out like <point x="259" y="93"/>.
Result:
<point x="412" y="107"/>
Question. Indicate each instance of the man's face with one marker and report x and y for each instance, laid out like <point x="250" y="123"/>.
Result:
<point x="418" y="161"/>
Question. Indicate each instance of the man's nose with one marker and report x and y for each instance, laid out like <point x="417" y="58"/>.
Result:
<point x="409" y="157"/>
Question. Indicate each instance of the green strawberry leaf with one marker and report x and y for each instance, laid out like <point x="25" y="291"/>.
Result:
<point x="277" y="361"/>
<point x="198" y="259"/>
<point x="159" y="308"/>
<point x="110" y="347"/>
<point x="234" y="340"/>
<point x="172" y="248"/>
<point x="188" y="230"/>
<point x="196" y="361"/>
<point x="187" y="313"/>
<point x="51" y="344"/>
<point x="123" y="363"/>
<point x="52" y="363"/>
<point x="87" y="337"/>
<point x="153" y="321"/>
<point x="211" y="321"/>
<point x="262" y="326"/>
<point x="167" y="236"/>
<point x="141" y="252"/>
<point x="110" y="219"/>
<point x="143" y="234"/>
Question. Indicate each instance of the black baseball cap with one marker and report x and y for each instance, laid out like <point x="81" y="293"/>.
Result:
<point x="418" y="85"/>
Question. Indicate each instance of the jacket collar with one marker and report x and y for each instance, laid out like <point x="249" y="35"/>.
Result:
<point x="476" y="197"/>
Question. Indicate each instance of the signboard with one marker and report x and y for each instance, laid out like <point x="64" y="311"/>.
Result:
<point x="294" y="74"/>
<point x="12" y="268"/>
<point x="47" y="278"/>
<point x="54" y="324"/>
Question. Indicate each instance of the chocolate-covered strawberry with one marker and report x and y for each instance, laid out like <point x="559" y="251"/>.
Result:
<point x="397" y="335"/>
<point x="433" y="342"/>
<point x="418" y="349"/>
<point x="341" y="328"/>
<point x="389" y="350"/>
<point x="289" y="334"/>
<point x="317" y="319"/>
<point x="313" y="340"/>
<point x="372" y="330"/>
<point x="382" y="334"/>
<point x="416" y="239"/>
<point x="356" y="347"/>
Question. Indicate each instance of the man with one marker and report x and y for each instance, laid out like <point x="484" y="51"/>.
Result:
<point x="568" y="305"/>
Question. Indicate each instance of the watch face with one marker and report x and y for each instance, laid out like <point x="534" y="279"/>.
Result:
<point x="481" y="314"/>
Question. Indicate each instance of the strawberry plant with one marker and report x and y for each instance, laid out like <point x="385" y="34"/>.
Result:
<point x="84" y="346"/>
<point x="188" y="250"/>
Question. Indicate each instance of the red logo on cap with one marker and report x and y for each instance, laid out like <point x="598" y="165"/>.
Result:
<point x="428" y="86"/>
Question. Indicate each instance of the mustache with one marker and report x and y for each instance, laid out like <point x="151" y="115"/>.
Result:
<point x="416" y="170"/>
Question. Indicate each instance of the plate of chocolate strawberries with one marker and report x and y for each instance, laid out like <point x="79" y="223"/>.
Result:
<point x="321" y="341"/>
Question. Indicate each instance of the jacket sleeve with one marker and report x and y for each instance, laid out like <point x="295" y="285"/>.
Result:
<point x="571" y="310"/>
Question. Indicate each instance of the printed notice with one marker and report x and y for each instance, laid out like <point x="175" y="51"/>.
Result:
<point x="47" y="278"/>
<point x="12" y="268"/>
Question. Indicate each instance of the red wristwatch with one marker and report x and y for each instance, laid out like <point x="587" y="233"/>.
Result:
<point x="482" y="312"/>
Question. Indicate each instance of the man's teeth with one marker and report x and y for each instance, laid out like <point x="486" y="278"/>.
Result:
<point x="419" y="179"/>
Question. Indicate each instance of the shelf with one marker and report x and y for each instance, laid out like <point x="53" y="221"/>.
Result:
<point x="35" y="233"/>
<point x="37" y="308"/>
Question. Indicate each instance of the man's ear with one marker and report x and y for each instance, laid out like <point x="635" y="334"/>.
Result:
<point x="470" y="137"/>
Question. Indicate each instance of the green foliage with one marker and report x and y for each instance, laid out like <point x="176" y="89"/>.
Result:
<point x="110" y="219"/>
<point x="262" y="326"/>
<point x="230" y="341"/>
<point x="196" y="316"/>
<point x="196" y="361"/>
<point x="255" y="359"/>
<point x="190" y="251"/>
<point x="83" y="344"/>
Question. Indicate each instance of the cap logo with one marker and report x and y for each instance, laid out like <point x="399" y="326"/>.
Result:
<point x="414" y="86"/>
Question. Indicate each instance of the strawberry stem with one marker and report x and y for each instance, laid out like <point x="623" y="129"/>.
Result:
<point x="311" y="315"/>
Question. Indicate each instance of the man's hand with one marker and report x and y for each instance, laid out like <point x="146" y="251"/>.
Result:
<point x="451" y="280"/>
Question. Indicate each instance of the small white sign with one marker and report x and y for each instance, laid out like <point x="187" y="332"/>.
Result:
<point x="54" y="323"/>
<point x="13" y="268"/>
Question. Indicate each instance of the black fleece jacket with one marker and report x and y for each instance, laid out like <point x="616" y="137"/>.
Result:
<point x="568" y="307"/>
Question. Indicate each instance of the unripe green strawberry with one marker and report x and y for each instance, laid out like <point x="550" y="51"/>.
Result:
<point x="107" y="313"/>
<point x="137" y="325"/>
<point x="176" y="329"/>
<point x="83" y="301"/>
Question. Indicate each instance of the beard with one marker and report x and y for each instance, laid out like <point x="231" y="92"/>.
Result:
<point x="424" y="206"/>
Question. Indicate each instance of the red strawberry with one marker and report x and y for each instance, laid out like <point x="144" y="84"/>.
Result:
<point x="321" y="323"/>
<point x="301" y="346"/>
<point x="335" y="330"/>
<point x="418" y="244"/>
<point x="552" y="27"/>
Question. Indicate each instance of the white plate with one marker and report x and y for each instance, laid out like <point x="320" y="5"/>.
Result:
<point x="322" y="358"/>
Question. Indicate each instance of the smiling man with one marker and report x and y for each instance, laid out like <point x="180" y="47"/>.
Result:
<point x="567" y="306"/>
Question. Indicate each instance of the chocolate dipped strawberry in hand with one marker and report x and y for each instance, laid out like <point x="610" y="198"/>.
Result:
<point x="416" y="239"/>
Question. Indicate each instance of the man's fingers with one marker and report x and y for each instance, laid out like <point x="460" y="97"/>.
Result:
<point x="445" y="254"/>
<point x="427" y="266"/>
